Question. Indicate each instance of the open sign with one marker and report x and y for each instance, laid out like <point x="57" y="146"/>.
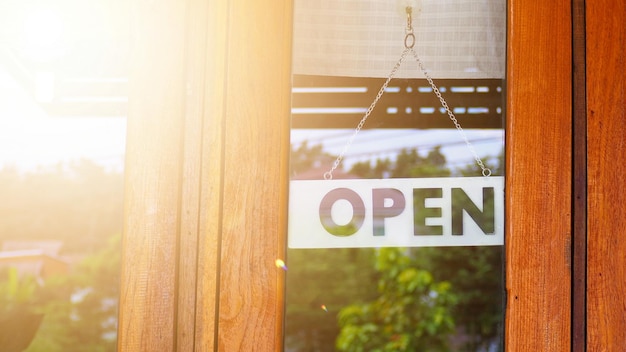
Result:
<point x="459" y="211"/>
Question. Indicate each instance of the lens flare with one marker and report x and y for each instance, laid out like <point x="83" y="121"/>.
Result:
<point x="281" y="264"/>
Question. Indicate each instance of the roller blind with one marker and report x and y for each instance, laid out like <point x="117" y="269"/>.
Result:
<point x="364" y="38"/>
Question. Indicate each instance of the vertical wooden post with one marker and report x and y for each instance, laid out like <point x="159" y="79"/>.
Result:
<point x="210" y="74"/>
<point x="206" y="176"/>
<point x="255" y="175"/>
<point x="148" y="302"/>
<point x="538" y="176"/>
<point x="606" y="145"/>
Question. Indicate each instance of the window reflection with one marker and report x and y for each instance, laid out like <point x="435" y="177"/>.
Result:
<point x="398" y="299"/>
<point x="413" y="299"/>
<point x="63" y="101"/>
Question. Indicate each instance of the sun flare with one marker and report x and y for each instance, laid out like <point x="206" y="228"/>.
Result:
<point x="43" y="35"/>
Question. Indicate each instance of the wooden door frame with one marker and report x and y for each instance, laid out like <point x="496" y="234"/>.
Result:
<point x="206" y="176"/>
<point x="538" y="186"/>
<point x="606" y="166"/>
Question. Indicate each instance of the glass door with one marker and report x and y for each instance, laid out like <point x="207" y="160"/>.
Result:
<point x="397" y="162"/>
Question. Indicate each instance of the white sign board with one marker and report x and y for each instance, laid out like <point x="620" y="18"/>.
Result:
<point x="423" y="212"/>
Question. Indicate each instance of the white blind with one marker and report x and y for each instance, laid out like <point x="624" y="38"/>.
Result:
<point x="364" y="38"/>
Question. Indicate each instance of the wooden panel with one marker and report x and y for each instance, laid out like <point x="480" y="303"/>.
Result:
<point x="538" y="182"/>
<point x="201" y="176"/>
<point x="212" y="76"/>
<point x="606" y="114"/>
<point x="401" y="94"/>
<point x="147" y="319"/>
<point x="206" y="177"/>
<point x="256" y="142"/>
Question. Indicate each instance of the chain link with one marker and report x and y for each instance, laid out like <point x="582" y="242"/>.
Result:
<point x="409" y="42"/>
<point x="328" y="175"/>
<point x="485" y="170"/>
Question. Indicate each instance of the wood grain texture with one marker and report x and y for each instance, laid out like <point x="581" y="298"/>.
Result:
<point x="201" y="178"/>
<point x="147" y="319"/>
<point x="256" y="142"/>
<point x="606" y="114"/>
<point x="206" y="177"/>
<point x="538" y="176"/>
<point x="211" y="186"/>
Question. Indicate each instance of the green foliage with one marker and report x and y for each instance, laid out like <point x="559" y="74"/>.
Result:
<point x="496" y="166"/>
<point x="19" y="316"/>
<point x="408" y="164"/>
<point x="330" y="277"/>
<point x="413" y="312"/>
<point x="304" y="157"/>
<point x="15" y="291"/>
<point x="81" y="309"/>
<point x="476" y="275"/>
<point x="363" y="169"/>
<point x="423" y="299"/>
<point x="80" y="204"/>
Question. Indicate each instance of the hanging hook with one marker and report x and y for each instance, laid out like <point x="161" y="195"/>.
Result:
<point x="409" y="38"/>
<point x="409" y="18"/>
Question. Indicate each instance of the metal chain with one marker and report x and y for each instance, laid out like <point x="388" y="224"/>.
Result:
<point x="328" y="175"/>
<point x="485" y="170"/>
<point x="409" y="42"/>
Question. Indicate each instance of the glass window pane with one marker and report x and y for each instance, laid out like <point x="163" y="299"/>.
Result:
<point x="63" y="101"/>
<point x="402" y="250"/>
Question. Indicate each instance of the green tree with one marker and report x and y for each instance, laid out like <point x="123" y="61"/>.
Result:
<point x="19" y="315"/>
<point x="81" y="309"/>
<point x="362" y="169"/>
<point x="305" y="157"/>
<point x="476" y="276"/>
<point x="470" y="277"/>
<point x="78" y="203"/>
<point x="332" y="278"/>
<point x="408" y="164"/>
<point x="495" y="164"/>
<point x="413" y="312"/>
<point x="475" y="273"/>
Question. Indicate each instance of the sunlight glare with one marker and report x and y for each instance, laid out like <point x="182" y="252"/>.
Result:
<point x="44" y="35"/>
